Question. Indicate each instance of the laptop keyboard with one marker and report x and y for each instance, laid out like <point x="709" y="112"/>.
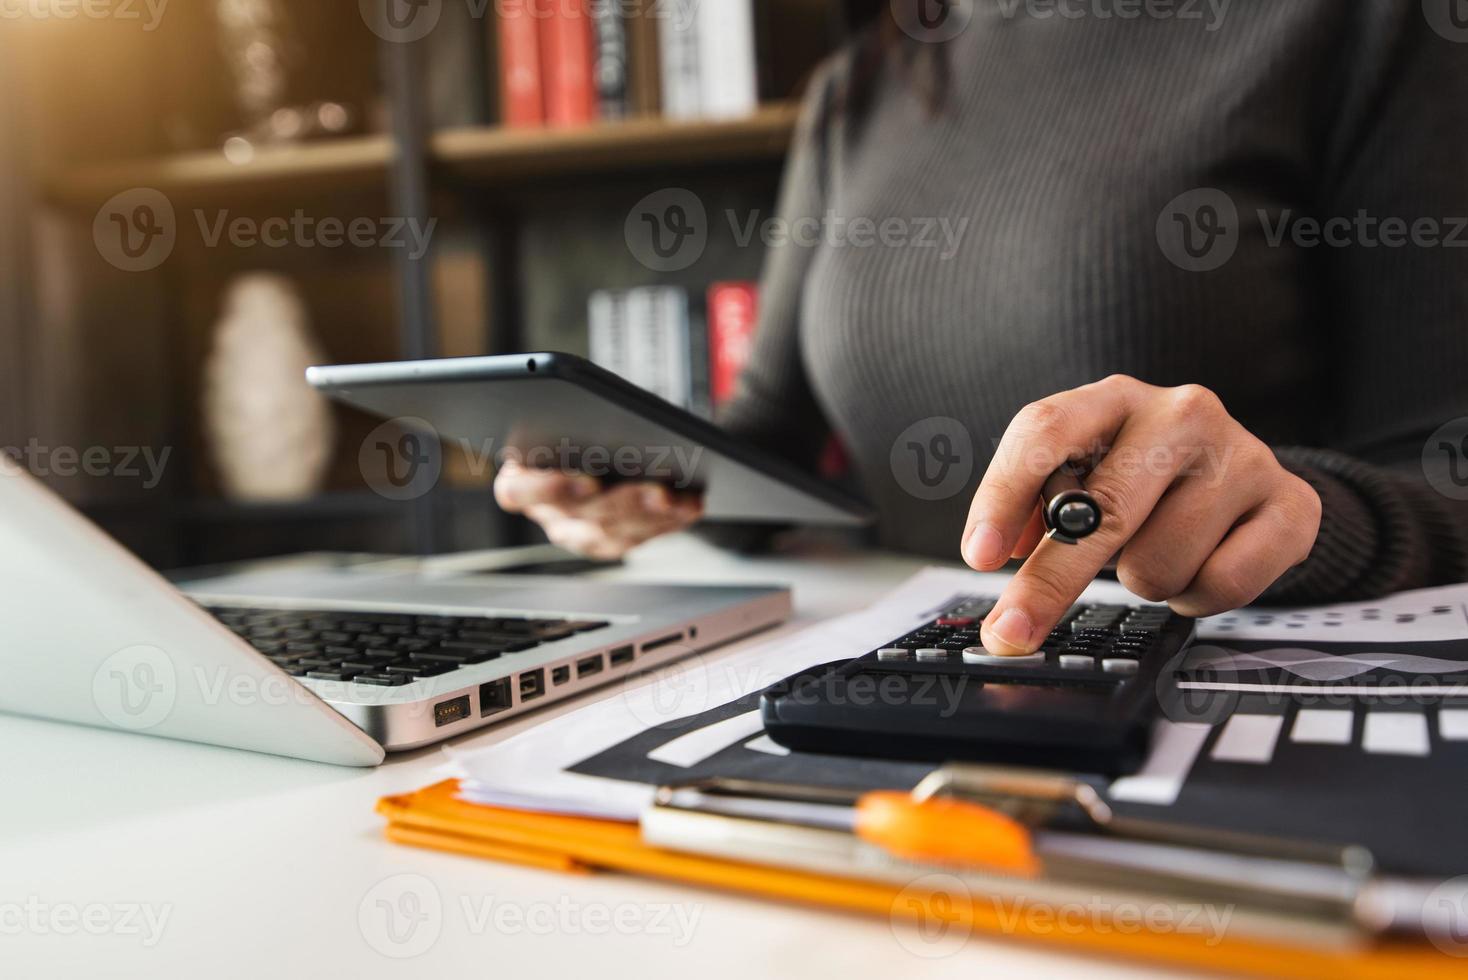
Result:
<point x="387" y="649"/>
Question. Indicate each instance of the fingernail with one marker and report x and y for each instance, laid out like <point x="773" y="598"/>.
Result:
<point x="1009" y="635"/>
<point x="984" y="546"/>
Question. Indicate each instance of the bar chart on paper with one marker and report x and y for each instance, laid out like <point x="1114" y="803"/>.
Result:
<point x="1325" y="722"/>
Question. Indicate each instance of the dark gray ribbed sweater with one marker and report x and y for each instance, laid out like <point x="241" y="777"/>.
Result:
<point x="1058" y="145"/>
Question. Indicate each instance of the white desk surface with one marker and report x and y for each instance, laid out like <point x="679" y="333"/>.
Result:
<point x="256" y="867"/>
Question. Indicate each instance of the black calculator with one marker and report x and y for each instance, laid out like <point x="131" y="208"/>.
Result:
<point x="1084" y="703"/>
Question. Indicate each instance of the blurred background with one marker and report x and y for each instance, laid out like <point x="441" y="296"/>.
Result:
<point x="200" y="197"/>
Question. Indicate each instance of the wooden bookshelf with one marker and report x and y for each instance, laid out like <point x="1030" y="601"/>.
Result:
<point x="492" y="153"/>
<point x="343" y="164"/>
<point x="480" y="153"/>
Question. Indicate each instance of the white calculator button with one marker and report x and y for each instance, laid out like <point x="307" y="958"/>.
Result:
<point x="892" y="653"/>
<point x="1075" y="661"/>
<point x="978" y="655"/>
<point x="932" y="654"/>
<point x="1120" y="665"/>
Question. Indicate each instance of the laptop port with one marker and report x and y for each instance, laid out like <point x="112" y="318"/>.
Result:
<point x="560" y="675"/>
<point x="621" y="657"/>
<point x="532" y="685"/>
<point x="652" y="645"/>
<point x="494" y="696"/>
<point x="589" y="666"/>
<point x="447" y="712"/>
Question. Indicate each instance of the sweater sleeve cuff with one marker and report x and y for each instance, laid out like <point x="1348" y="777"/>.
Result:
<point x="1370" y="543"/>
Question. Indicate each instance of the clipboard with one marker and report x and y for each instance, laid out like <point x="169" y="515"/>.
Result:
<point x="435" y="818"/>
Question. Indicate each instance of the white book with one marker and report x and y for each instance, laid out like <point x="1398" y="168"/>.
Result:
<point x="641" y="356"/>
<point x="607" y="331"/>
<point x="674" y="366"/>
<point x="679" y="48"/>
<point x="727" y="69"/>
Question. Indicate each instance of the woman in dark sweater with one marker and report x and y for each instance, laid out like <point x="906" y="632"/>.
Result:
<point x="1181" y="247"/>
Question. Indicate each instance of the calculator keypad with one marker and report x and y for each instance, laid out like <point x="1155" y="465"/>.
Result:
<point x="1101" y="641"/>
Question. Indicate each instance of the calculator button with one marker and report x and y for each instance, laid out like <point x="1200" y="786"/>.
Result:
<point x="932" y="654"/>
<point x="1075" y="661"/>
<point x="891" y="654"/>
<point x="978" y="655"/>
<point x="956" y="621"/>
<point x="1120" y="665"/>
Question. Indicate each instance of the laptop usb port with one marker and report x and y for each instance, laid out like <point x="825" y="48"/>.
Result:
<point x="621" y="656"/>
<point x="560" y="675"/>
<point x="447" y="712"/>
<point x="532" y="685"/>
<point x="652" y="645"/>
<point x="494" y="696"/>
<point x="589" y="666"/>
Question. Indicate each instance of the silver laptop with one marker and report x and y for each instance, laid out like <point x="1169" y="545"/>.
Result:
<point x="334" y="661"/>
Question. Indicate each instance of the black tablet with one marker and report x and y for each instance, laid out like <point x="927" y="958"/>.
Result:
<point x="559" y="411"/>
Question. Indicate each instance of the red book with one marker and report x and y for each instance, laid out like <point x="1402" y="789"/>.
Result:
<point x="567" y="56"/>
<point x="522" y="100"/>
<point x="733" y="313"/>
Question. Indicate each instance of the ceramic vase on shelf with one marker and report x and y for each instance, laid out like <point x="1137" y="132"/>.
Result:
<point x="270" y="433"/>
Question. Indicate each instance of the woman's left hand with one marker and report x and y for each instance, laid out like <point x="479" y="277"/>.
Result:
<point x="1197" y="511"/>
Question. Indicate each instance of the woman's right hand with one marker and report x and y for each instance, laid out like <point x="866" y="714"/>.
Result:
<point x="579" y="514"/>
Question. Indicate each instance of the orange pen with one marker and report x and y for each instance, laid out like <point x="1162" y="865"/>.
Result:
<point x="946" y="831"/>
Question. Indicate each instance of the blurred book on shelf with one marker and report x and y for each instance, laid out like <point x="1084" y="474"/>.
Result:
<point x="682" y="347"/>
<point x="522" y="96"/>
<point x="566" y="63"/>
<point x="733" y="313"/>
<point x="571" y="62"/>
